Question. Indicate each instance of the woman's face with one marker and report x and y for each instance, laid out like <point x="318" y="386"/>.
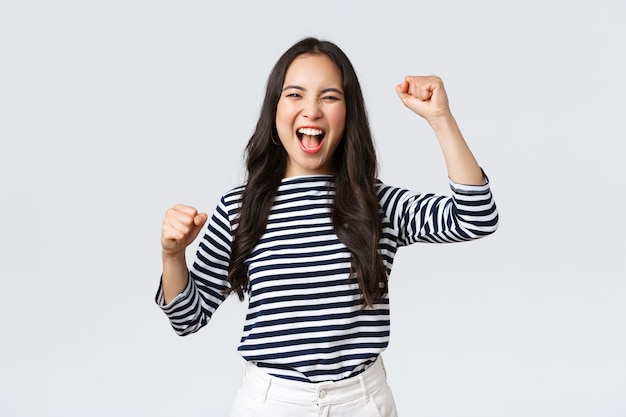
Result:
<point x="311" y="115"/>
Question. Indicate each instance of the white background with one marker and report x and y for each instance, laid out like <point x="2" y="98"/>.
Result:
<point x="112" y="111"/>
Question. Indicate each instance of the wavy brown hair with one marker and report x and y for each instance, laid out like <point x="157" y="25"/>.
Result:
<point x="355" y="210"/>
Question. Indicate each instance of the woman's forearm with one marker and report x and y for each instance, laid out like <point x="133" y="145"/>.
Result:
<point x="175" y="275"/>
<point x="461" y="164"/>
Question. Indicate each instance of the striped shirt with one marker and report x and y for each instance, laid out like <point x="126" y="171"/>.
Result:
<point x="305" y="319"/>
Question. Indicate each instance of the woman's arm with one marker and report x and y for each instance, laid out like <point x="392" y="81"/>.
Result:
<point x="427" y="97"/>
<point x="181" y="226"/>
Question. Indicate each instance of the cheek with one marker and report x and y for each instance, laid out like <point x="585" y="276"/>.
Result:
<point x="283" y="114"/>
<point x="279" y="112"/>
<point x="338" y="119"/>
<point x="279" y="120"/>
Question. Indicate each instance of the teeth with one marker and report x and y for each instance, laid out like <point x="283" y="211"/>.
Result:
<point x="310" y="132"/>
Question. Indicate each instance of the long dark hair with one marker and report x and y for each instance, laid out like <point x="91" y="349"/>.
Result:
<point x="355" y="211"/>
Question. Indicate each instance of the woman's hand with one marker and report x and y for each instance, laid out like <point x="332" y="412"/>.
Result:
<point x="424" y="95"/>
<point x="181" y="226"/>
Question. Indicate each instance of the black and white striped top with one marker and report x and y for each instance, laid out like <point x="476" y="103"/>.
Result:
<point x="305" y="320"/>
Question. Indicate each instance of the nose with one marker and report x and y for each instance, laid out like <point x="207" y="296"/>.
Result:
<point x="312" y="109"/>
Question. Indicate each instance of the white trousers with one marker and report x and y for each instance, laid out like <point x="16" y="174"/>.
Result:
<point x="364" y="395"/>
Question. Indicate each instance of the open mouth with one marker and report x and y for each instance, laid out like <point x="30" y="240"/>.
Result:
<point x="310" y="138"/>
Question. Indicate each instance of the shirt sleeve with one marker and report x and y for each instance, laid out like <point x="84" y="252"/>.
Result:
<point x="193" y="308"/>
<point x="468" y="213"/>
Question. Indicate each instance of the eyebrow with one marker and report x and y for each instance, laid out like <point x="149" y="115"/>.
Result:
<point x="325" y="90"/>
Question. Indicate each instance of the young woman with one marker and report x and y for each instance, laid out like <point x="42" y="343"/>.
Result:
<point x="311" y="238"/>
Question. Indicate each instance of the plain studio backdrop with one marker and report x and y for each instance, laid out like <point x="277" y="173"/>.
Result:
<point x="113" y="111"/>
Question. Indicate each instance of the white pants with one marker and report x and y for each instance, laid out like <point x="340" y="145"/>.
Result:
<point x="364" y="395"/>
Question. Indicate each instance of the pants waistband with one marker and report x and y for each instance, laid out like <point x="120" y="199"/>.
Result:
<point x="265" y="386"/>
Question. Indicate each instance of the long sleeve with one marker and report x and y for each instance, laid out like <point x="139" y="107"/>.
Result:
<point x="468" y="213"/>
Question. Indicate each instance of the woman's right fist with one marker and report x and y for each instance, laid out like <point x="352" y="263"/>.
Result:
<point x="181" y="226"/>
